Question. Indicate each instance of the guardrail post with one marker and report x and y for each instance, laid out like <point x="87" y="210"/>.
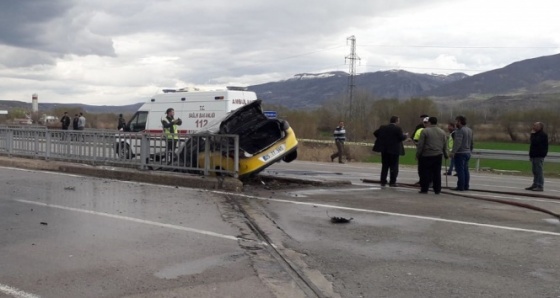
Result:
<point x="144" y="151"/>
<point x="47" y="144"/>
<point x="37" y="149"/>
<point x="10" y="142"/>
<point x="236" y="156"/>
<point x="207" y="155"/>
<point x="477" y="164"/>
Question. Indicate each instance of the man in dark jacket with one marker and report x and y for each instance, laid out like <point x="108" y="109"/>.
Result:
<point x="388" y="142"/>
<point x="537" y="152"/>
<point x="65" y="120"/>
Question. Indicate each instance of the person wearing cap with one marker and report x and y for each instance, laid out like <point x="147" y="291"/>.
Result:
<point x="416" y="137"/>
<point x="432" y="146"/>
<point x="450" y="138"/>
<point x="121" y="122"/>
<point x="419" y="129"/>
<point x="170" y="130"/>
<point x="420" y="126"/>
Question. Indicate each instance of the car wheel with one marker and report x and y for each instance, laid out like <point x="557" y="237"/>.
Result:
<point x="290" y="156"/>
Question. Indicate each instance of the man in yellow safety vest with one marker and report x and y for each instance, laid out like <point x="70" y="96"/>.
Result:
<point x="170" y="130"/>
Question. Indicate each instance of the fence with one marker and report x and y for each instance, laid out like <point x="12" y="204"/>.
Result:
<point x="207" y="154"/>
<point x="477" y="154"/>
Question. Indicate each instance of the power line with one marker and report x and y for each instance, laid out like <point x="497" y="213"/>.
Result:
<point x="415" y="67"/>
<point x="308" y="53"/>
<point x="459" y="47"/>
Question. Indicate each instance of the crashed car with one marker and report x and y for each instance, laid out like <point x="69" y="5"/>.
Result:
<point x="262" y="142"/>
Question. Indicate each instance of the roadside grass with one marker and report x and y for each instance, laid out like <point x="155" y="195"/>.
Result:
<point x="322" y="152"/>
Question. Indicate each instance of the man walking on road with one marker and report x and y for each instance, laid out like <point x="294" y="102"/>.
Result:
<point x="389" y="142"/>
<point x="432" y="146"/>
<point x="339" y="139"/>
<point x="537" y="152"/>
<point x="461" y="152"/>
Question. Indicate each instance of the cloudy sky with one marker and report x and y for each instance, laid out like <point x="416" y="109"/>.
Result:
<point x="121" y="52"/>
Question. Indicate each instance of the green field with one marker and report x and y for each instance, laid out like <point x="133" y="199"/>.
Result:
<point x="516" y="167"/>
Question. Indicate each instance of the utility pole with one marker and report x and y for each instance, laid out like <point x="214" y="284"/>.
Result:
<point x="352" y="57"/>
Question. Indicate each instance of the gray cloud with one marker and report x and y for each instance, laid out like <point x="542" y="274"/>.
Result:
<point x="102" y="48"/>
<point x="53" y="26"/>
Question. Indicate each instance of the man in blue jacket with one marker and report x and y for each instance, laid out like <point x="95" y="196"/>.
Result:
<point x="537" y="152"/>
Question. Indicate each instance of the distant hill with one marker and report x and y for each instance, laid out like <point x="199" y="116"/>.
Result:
<point x="532" y="76"/>
<point x="532" y="80"/>
<point x="308" y="90"/>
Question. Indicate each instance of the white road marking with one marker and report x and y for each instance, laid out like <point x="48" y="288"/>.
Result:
<point x="391" y="213"/>
<point x="15" y="292"/>
<point x="153" y="223"/>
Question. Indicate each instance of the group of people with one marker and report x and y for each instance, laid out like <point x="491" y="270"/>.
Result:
<point x="433" y="145"/>
<point x="78" y="123"/>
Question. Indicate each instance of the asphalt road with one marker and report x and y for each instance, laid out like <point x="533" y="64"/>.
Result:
<point x="71" y="236"/>
<point x="404" y="244"/>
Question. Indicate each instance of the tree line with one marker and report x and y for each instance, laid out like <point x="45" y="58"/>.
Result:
<point x="366" y="113"/>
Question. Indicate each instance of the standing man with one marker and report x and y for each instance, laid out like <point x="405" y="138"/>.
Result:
<point x="416" y="138"/>
<point x="82" y="125"/>
<point x="461" y="152"/>
<point x="389" y="142"/>
<point x="170" y="129"/>
<point x="450" y="138"/>
<point x="537" y="152"/>
<point x="75" y="122"/>
<point x="81" y="122"/>
<point x="339" y="138"/>
<point x="65" y="120"/>
<point x="418" y="129"/>
<point x="432" y="146"/>
<point x="121" y="123"/>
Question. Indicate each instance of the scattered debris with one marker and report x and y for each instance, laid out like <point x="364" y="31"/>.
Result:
<point x="336" y="219"/>
<point x="70" y="188"/>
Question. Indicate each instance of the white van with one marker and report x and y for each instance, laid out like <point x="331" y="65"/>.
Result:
<point x="195" y="108"/>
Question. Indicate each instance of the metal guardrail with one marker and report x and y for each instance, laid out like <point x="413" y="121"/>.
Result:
<point x="201" y="153"/>
<point x="477" y="154"/>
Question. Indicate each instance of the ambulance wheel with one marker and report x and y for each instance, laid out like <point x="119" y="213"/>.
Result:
<point x="123" y="151"/>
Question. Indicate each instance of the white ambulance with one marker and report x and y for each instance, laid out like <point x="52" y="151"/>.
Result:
<point x="195" y="108"/>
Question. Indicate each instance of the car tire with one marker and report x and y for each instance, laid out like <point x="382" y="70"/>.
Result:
<point x="290" y="156"/>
